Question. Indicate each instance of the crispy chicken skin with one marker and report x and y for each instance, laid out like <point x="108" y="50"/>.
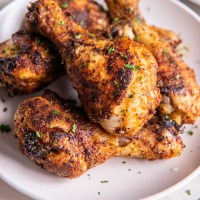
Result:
<point x="181" y="93"/>
<point x="88" y="14"/>
<point x="116" y="80"/>
<point x="58" y="136"/>
<point x="129" y="9"/>
<point x="28" y="63"/>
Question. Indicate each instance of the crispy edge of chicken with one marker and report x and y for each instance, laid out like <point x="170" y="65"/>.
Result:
<point x="113" y="82"/>
<point x="28" y="63"/>
<point x="181" y="93"/>
<point x="129" y="9"/>
<point x="58" y="136"/>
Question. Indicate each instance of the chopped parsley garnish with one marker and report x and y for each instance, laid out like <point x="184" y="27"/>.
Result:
<point x="74" y="127"/>
<point x="196" y="126"/>
<point x="61" y="23"/>
<point x="91" y="35"/>
<point x="116" y="84"/>
<point x="111" y="50"/>
<point x="79" y="36"/>
<point x="83" y="65"/>
<point x="64" y="5"/>
<point x="5" y="109"/>
<point x="137" y="37"/>
<point x="51" y="126"/>
<point x="188" y="192"/>
<point x="190" y="132"/>
<point x="116" y="20"/>
<point x="124" y="162"/>
<point x="54" y="143"/>
<point x="131" y="96"/>
<point x="122" y="111"/>
<point x="104" y="181"/>
<point x="37" y="134"/>
<point x="123" y="56"/>
<point x="136" y="19"/>
<point x="56" y="112"/>
<point x="99" y="193"/>
<point x="5" y="128"/>
<point x="140" y="78"/>
<point x="166" y="51"/>
<point x="133" y="67"/>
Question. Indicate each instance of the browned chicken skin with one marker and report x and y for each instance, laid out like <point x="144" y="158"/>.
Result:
<point x="29" y="62"/>
<point x="58" y="136"/>
<point x="115" y="80"/>
<point x="129" y="9"/>
<point x="181" y="93"/>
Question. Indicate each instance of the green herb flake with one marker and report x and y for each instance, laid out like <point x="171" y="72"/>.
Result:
<point x="56" y="112"/>
<point x="196" y="126"/>
<point x="5" y="109"/>
<point x="188" y="192"/>
<point x="116" y="84"/>
<point x="190" y="132"/>
<point x="133" y="67"/>
<point x="37" y="134"/>
<point x="79" y="36"/>
<point x="123" y="56"/>
<point x="83" y="65"/>
<point x="5" y="128"/>
<point x="99" y="193"/>
<point x="137" y="37"/>
<point x="122" y="111"/>
<point x="111" y="50"/>
<point x="51" y="126"/>
<point x="37" y="41"/>
<point x="136" y="19"/>
<point x="131" y="96"/>
<point x="61" y="23"/>
<point x="105" y="181"/>
<point x="64" y="5"/>
<point x="74" y="127"/>
<point x="91" y="35"/>
<point x="116" y="19"/>
<point x="54" y="143"/>
<point x="140" y="78"/>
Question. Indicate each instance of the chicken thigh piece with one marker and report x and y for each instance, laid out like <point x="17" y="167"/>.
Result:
<point x="116" y="80"/>
<point x="181" y="93"/>
<point x="57" y="135"/>
<point x="28" y="63"/>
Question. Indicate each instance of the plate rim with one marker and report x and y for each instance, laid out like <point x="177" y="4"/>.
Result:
<point x="156" y="196"/>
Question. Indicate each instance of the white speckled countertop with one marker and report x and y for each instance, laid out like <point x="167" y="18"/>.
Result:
<point x="8" y="193"/>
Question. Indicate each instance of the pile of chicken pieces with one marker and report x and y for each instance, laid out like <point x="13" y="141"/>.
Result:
<point x="136" y="92"/>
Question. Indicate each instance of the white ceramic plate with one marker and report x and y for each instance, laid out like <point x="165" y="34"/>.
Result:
<point x="146" y="178"/>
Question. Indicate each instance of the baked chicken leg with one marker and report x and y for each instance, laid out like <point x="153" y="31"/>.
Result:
<point x="58" y="136"/>
<point x="129" y="9"/>
<point x="28" y="62"/>
<point x="181" y="93"/>
<point x="116" y="80"/>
